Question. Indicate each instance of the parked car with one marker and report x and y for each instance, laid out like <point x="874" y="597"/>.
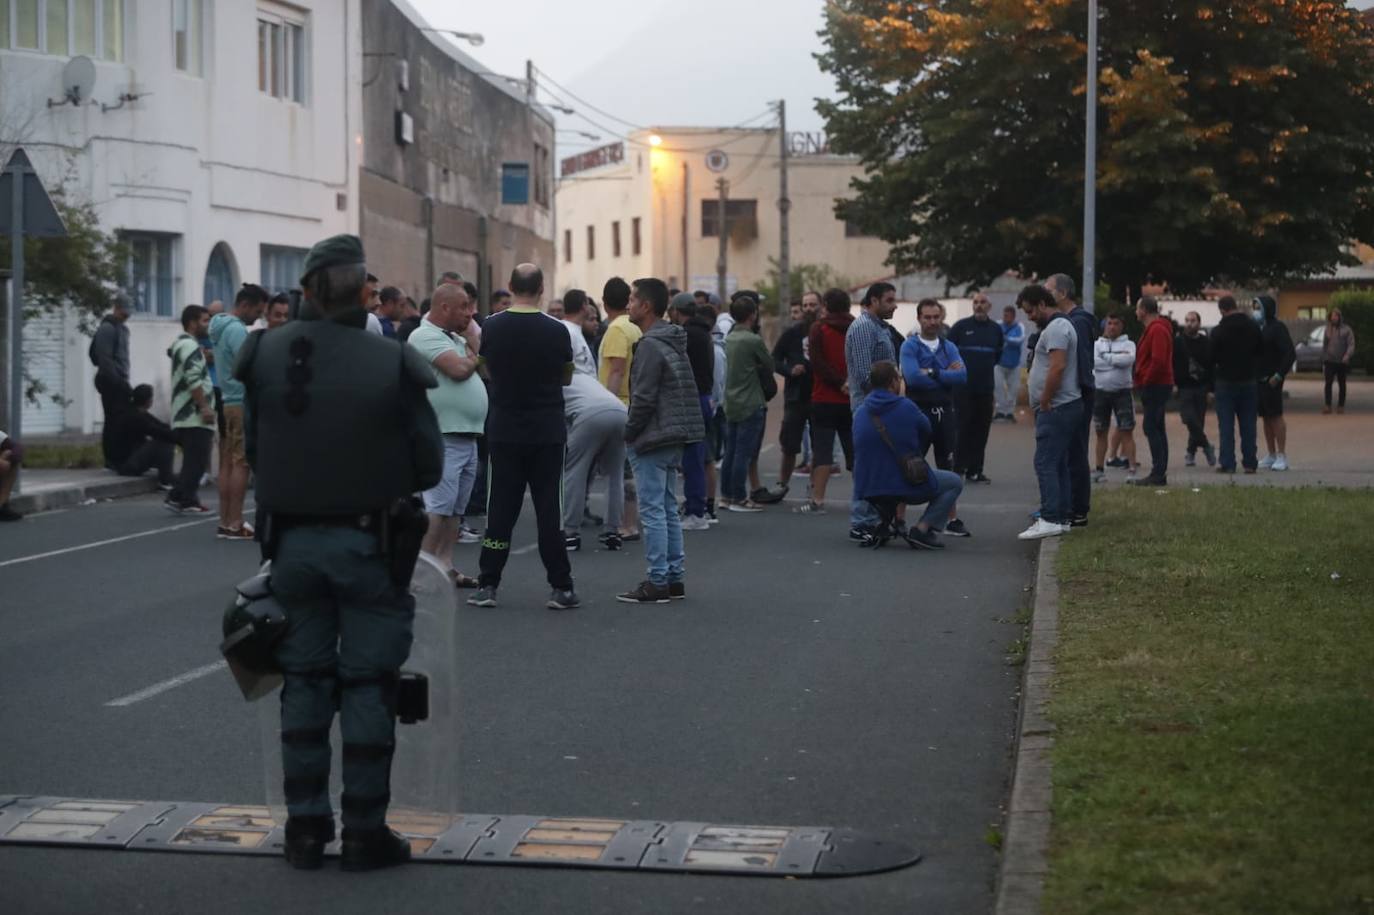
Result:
<point x="1310" y="351"/>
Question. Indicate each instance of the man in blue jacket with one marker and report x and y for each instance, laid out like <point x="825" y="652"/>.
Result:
<point x="1008" y="370"/>
<point x="979" y="341"/>
<point x="934" y="369"/>
<point x="888" y="427"/>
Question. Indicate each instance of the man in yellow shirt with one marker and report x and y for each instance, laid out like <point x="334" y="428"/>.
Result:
<point x="614" y="357"/>
<point x="617" y="349"/>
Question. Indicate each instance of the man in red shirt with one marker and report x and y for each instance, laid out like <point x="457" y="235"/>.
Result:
<point x="830" y="413"/>
<point x="1154" y="379"/>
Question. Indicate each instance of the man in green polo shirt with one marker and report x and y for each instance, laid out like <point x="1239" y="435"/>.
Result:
<point x="447" y="338"/>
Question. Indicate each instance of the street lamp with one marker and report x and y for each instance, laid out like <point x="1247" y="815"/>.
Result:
<point x="473" y="38"/>
<point x="1090" y="168"/>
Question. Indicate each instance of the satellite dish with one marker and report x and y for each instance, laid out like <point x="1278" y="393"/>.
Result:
<point x="78" y="79"/>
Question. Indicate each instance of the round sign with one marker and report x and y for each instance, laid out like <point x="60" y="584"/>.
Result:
<point x="717" y="161"/>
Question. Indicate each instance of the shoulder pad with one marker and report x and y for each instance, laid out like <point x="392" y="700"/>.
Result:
<point x="243" y="363"/>
<point x="414" y="367"/>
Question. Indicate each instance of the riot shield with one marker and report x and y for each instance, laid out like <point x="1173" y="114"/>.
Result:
<point x="424" y="770"/>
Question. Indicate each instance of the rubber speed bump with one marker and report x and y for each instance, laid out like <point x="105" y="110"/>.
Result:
<point x="521" y="841"/>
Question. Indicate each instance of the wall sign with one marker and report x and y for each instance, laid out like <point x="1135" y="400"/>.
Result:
<point x="717" y="161"/>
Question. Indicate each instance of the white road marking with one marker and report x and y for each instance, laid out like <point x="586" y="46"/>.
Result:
<point x="91" y="546"/>
<point x="165" y="685"/>
<point x="247" y="508"/>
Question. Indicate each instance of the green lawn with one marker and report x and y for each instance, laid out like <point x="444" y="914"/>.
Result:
<point x="1215" y="705"/>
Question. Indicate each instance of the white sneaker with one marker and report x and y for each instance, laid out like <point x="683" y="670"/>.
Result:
<point x="695" y="523"/>
<point x="1267" y="462"/>
<point x="1042" y="529"/>
<point x="1280" y="462"/>
<point x="748" y="505"/>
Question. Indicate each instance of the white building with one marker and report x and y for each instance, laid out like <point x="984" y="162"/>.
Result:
<point x="220" y="140"/>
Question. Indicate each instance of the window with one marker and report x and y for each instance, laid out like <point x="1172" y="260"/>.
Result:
<point x="854" y="230"/>
<point x="515" y="182"/>
<point x="615" y="239"/>
<point x="634" y="236"/>
<point x="186" y="36"/>
<point x="282" y="267"/>
<point x="94" y="28"/>
<point x="56" y="39"/>
<point x="541" y="176"/>
<point x="220" y="277"/>
<point x="281" y="57"/>
<point x="1317" y="313"/>
<point x="567" y="246"/>
<point x="150" y="274"/>
<point x="591" y="242"/>
<point x="26" y="24"/>
<point x="741" y="218"/>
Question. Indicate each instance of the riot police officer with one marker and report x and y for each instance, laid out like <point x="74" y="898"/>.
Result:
<point x="339" y="435"/>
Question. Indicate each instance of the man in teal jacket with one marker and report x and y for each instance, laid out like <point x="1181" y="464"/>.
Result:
<point x="228" y="331"/>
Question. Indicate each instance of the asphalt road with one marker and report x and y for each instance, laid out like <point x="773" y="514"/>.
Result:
<point x="804" y="682"/>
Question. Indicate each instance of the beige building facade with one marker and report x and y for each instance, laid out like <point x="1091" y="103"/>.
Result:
<point x="649" y="206"/>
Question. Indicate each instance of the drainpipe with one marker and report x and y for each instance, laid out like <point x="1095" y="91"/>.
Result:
<point x="427" y="212"/>
<point x="483" y="269"/>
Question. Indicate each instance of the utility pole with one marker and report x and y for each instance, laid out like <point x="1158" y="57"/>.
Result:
<point x="784" y="206"/>
<point x="723" y="187"/>
<point x="1090" y="168"/>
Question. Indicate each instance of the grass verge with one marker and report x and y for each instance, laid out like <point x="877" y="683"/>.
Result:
<point x="1215" y="705"/>
<point x="63" y="457"/>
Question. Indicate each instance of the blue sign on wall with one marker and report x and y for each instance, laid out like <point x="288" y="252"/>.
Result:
<point x="515" y="182"/>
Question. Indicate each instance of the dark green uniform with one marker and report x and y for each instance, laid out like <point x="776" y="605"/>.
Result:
<point x="338" y="429"/>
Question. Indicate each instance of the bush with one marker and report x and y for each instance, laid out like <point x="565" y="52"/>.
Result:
<point x="1357" y="308"/>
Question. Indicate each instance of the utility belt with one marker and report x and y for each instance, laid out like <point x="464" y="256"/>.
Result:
<point x="399" y="530"/>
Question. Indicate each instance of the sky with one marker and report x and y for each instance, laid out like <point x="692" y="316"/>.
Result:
<point x="708" y="62"/>
<point x="656" y="62"/>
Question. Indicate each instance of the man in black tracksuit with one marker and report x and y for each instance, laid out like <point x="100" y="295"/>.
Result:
<point x="791" y="362"/>
<point x="979" y="340"/>
<point x="1193" y="375"/>
<point x="529" y="358"/>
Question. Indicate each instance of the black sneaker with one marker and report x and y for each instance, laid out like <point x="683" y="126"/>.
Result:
<point x="860" y="534"/>
<point x="1118" y="462"/>
<point x="978" y="477"/>
<point x="610" y="540"/>
<point x="561" y="599"/>
<point x="957" y="528"/>
<point x="918" y="539"/>
<point x="306" y="838"/>
<point x="1078" y="521"/>
<point x="769" y="496"/>
<point x="572" y="542"/>
<point x="368" y="850"/>
<point x="677" y="590"/>
<point x="646" y="592"/>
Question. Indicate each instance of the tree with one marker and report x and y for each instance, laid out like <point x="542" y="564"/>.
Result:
<point x="803" y="277"/>
<point x="83" y="271"/>
<point x="1234" y="143"/>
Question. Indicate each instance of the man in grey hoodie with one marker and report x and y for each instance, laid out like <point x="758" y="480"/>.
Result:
<point x="664" y="416"/>
<point x="110" y="353"/>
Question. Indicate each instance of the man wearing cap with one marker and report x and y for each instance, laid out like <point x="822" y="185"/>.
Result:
<point x="339" y="432"/>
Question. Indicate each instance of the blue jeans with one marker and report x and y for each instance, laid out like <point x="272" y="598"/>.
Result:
<point x="1055" y="433"/>
<point x="937" y="510"/>
<point x="694" y="468"/>
<point x="1236" y="401"/>
<point x="742" y="440"/>
<point x="656" y="477"/>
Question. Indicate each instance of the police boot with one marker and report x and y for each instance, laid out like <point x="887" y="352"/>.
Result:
<point x="306" y="837"/>
<point x="370" y="849"/>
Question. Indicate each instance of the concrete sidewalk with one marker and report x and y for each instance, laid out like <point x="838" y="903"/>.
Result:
<point x="46" y="490"/>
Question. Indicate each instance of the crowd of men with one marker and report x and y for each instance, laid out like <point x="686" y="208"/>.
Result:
<point x="1085" y="377"/>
